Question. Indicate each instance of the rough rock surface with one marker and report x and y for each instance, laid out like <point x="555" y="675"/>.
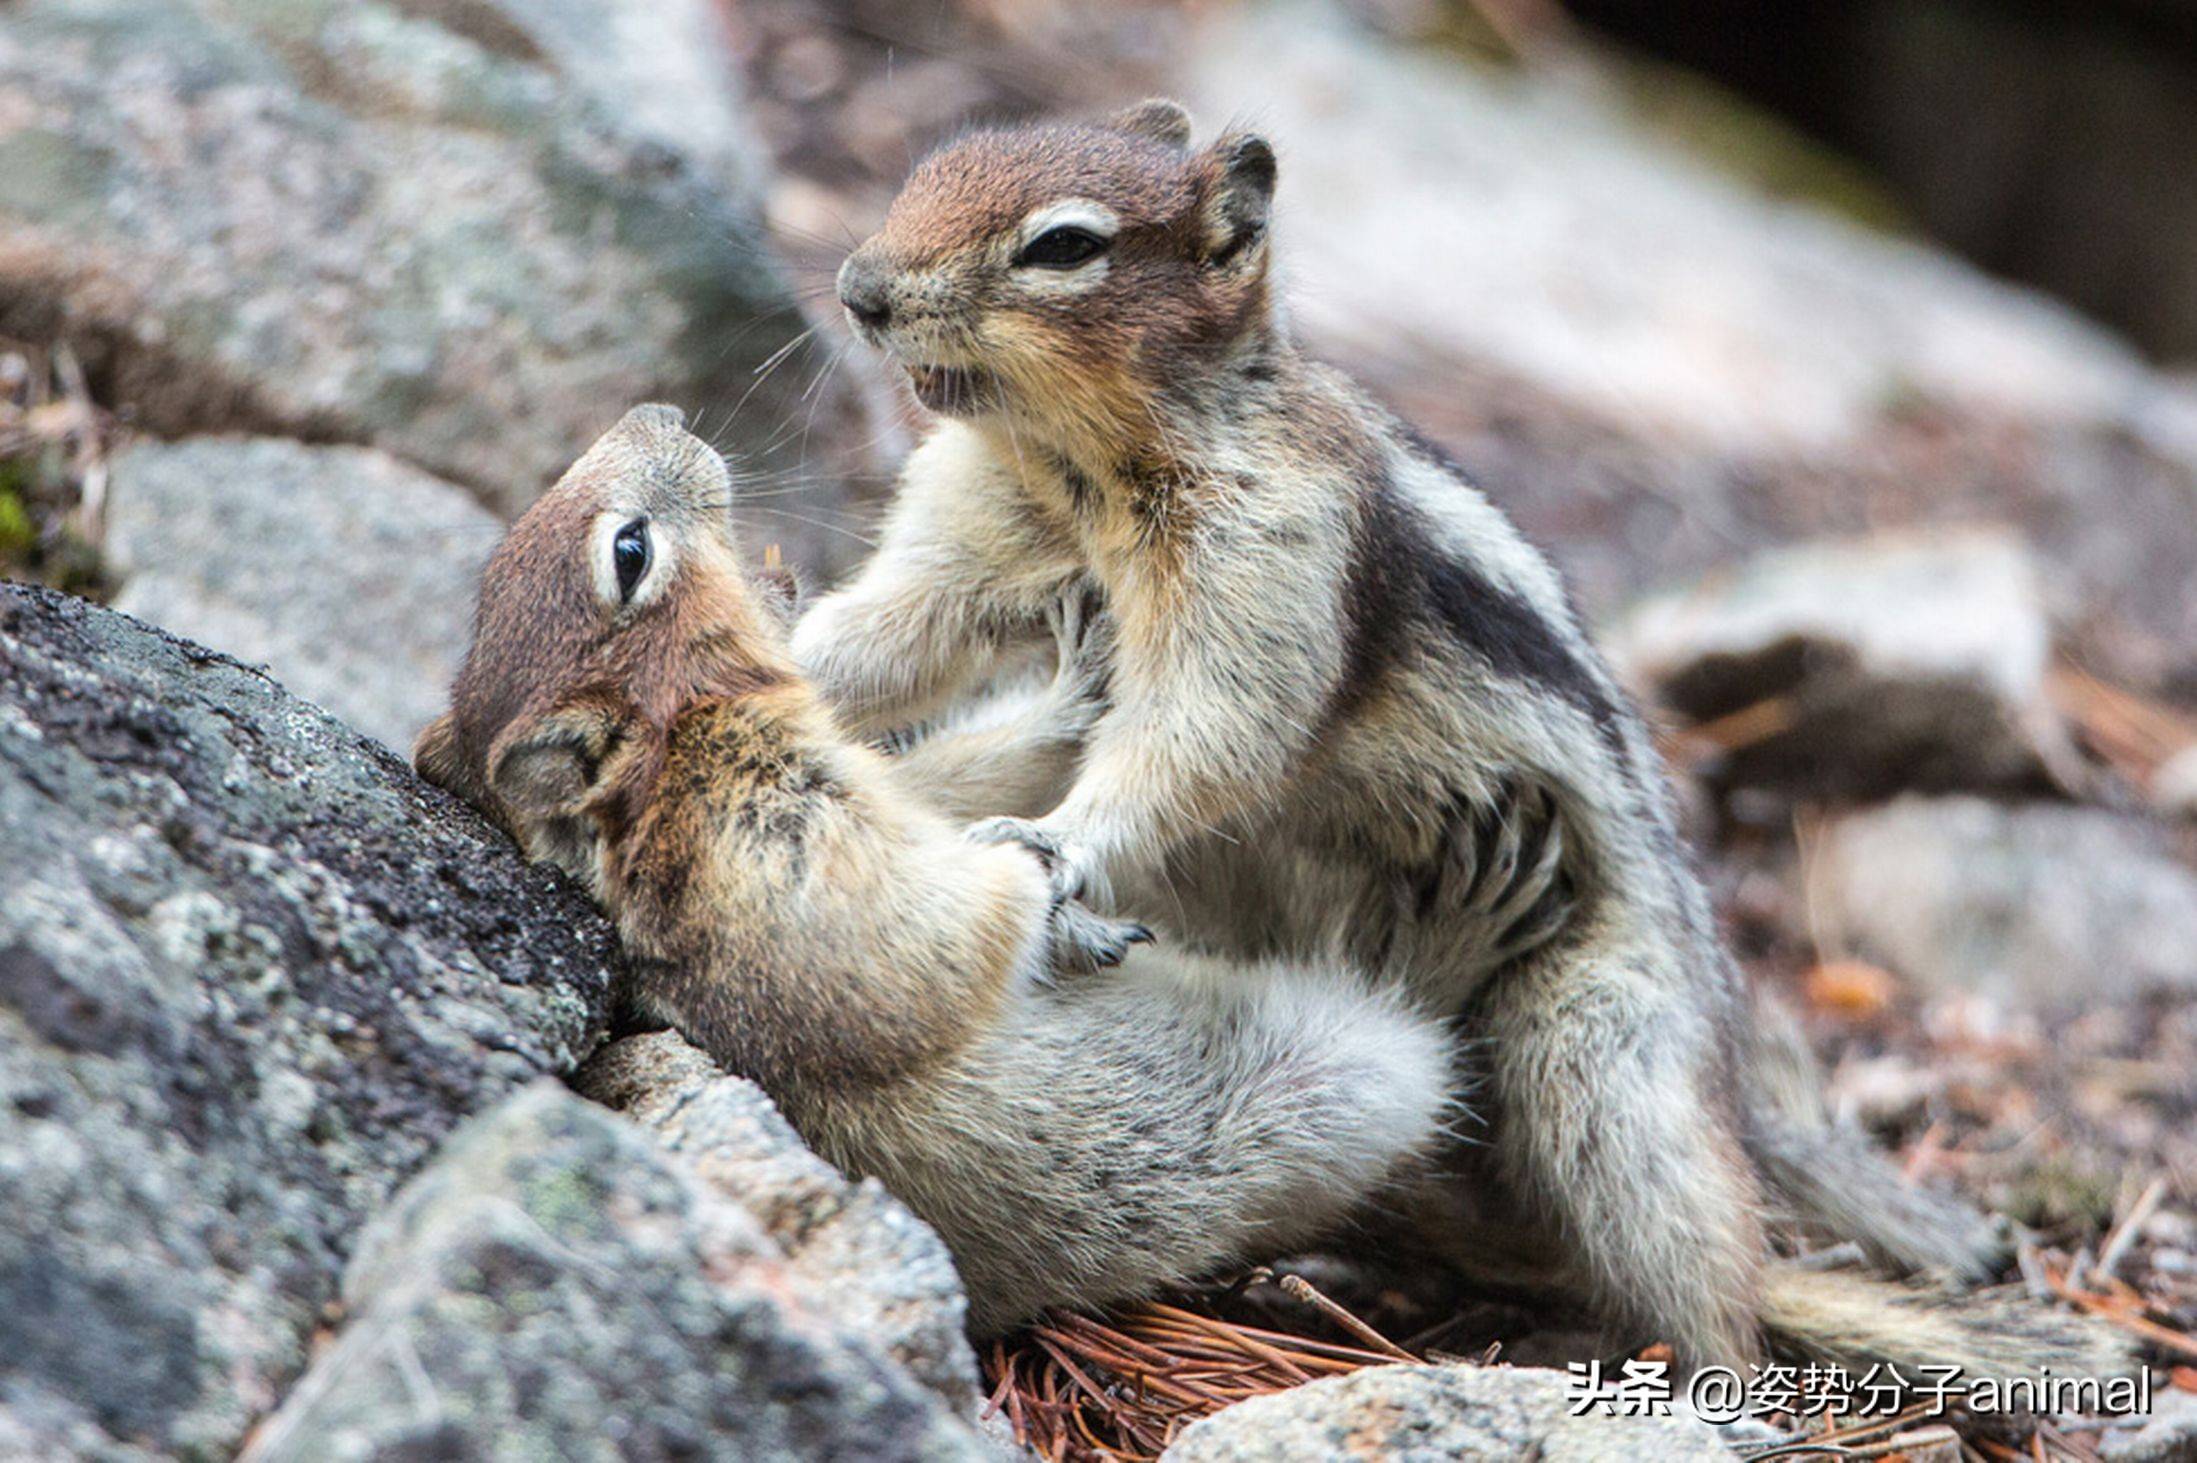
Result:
<point x="2043" y="906"/>
<point x="1906" y="661"/>
<point x="555" y="1286"/>
<point x="252" y="972"/>
<point x="1434" y="1414"/>
<point x="346" y="573"/>
<point x="348" y="220"/>
<point x="656" y="69"/>
<point x="853" y="1247"/>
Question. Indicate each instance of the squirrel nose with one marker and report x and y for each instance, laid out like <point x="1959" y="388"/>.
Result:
<point x="863" y="293"/>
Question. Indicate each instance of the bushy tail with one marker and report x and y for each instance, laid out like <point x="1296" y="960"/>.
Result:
<point x="1833" y="1180"/>
<point x="1152" y="1125"/>
<point x="1857" y="1321"/>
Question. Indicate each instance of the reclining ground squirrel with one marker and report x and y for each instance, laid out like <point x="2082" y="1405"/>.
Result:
<point x="1351" y="711"/>
<point x="629" y="711"/>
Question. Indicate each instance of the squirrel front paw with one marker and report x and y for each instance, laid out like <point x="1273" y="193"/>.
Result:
<point x="1063" y="866"/>
<point x="1082" y="939"/>
<point x="1085" y="941"/>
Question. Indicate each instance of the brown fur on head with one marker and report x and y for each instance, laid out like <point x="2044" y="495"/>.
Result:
<point x="1068" y="275"/>
<point x="584" y="652"/>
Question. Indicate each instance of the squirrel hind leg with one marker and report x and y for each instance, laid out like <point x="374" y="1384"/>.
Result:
<point x="1342" y="1089"/>
<point x="1175" y="1119"/>
<point x="1609" y="1125"/>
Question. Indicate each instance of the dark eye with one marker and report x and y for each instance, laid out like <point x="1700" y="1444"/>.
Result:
<point x="1064" y="247"/>
<point x="630" y="555"/>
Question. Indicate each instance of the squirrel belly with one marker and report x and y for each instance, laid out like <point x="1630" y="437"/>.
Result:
<point x="1163" y="1121"/>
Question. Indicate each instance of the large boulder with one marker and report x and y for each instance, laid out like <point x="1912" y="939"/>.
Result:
<point x="2039" y="907"/>
<point x="465" y="233"/>
<point x="344" y="571"/>
<point x="852" y="1247"/>
<point x="555" y="1286"/>
<point x="252" y="973"/>
<point x="1439" y="1414"/>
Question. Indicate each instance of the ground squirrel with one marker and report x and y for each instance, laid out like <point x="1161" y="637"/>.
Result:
<point x="629" y="711"/>
<point x="1351" y="709"/>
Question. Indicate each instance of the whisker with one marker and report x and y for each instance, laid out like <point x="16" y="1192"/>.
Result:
<point x="859" y="538"/>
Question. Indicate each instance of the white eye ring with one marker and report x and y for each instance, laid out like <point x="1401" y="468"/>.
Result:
<point x="1074" y="216"/>
<point x="622" y="587"/>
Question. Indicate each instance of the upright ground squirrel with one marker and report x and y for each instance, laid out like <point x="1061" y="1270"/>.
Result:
<point x="1351" y="711"/>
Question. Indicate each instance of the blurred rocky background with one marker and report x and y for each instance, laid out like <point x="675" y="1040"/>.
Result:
<point x="1841" y="352"/>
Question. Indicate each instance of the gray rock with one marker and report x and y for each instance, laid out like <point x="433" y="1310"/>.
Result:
<point x="554" y="1286"/>
<point x="346" y="573"/>
<point x="1436" y="1414"/>
<point x="252" y="972"/>
<point x="1655" y="362"/>
<point x="1894" y="663"/>
<point x="661" y="70"/>
<point x="2043" y="906"/>
<point x="855" y="1248"/>
<point x="2167" y="1435"/>
<point x="347" y="220"/>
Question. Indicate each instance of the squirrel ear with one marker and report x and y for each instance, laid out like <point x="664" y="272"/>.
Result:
<point x="1157" y="118"/>
<point x="1239" y="189"/>
<point x="435" y="754"/>
<point x="544" y="767"/>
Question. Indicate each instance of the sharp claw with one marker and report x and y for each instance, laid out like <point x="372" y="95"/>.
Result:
<point x="1139" y="935"/>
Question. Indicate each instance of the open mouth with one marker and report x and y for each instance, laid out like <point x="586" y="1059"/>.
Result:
<point x="953" y="390"/>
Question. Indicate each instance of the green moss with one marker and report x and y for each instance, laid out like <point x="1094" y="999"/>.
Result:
<point x="36" y="543"/>
<point x="18" y="535"/>
<point x="562" y="1197"/>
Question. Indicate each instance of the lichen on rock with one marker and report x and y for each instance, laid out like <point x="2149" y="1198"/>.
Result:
<point x="252" y="973"/>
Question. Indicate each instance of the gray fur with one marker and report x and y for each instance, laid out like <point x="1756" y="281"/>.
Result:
<point x="1159" y="1123"/>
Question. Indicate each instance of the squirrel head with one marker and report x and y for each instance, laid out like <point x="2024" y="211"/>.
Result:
<point x="616" y="601"/>
<point x="1069" y="272"/>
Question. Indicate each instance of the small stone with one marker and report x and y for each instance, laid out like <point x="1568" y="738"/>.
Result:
<point x="2168" y="1435"/>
